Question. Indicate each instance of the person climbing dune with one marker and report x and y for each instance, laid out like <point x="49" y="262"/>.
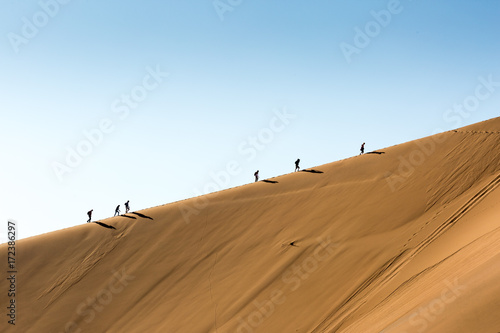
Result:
<point x="89" y="213"/>
<point x="256" y="174"/>
<point x="297" y="168"/>
<point x="127" y="207"/>
<point x="362" y="149"/>
<point x="117" y="210"/>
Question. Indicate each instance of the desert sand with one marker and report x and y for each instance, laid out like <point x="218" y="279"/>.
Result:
<point x="404" y="239"/>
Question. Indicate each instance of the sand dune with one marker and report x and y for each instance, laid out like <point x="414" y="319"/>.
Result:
<point x="403" y="240"/>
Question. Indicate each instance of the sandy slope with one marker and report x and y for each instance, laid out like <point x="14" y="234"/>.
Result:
<point x="404" y="241"/>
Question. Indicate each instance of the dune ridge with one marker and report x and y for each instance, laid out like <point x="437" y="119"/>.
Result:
<point x="402" y="240"/>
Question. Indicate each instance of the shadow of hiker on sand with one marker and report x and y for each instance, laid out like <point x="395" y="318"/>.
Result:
<point x="270" y="181"/>
<point x="105" y="225"/>
<point x="312" y="171"/>
<point x="130" y="217"/>
<point x="142" y="215"/>
<point x="376" y="152"/>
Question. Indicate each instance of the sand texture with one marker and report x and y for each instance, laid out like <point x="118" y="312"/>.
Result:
<point x="404" y="239"/>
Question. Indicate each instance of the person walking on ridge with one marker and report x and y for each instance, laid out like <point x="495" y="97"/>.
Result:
<point x="362" y="149"/>
<point x="297" y="168"/>
<point x="127" y="207"/>
<point x="89" y="213"/>
<point x="256" y="174"/>
<point x="117" y="210"/>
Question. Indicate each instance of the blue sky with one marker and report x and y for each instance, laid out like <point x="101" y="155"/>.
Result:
<point x="171" y="92"/>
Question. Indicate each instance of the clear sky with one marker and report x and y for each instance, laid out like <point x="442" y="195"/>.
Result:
<point x="107" y="101"/>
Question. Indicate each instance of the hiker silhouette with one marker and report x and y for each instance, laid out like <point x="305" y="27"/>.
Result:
<point x="297" y="168"/>
<point x="117" y="210"/>
<point x="89" y="213"/>
<point x="362" y="149"/>
<point x="127" y="207"/>
<point x="256" y="174"/>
